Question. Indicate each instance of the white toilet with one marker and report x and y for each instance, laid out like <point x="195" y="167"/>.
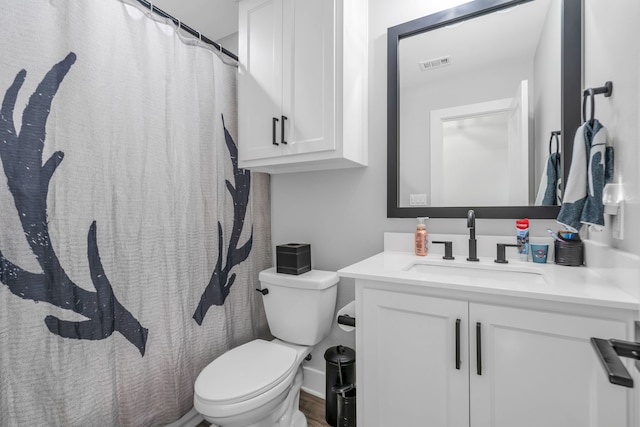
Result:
<point x="258" y="383"/>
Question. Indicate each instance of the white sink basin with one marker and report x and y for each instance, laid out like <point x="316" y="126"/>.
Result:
<point x="474" y="272"/>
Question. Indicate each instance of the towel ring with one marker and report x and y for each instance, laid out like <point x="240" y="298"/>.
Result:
<point x="591" y="94"/>
<point x="606" y="90"/>
<point x="556" y="134"/>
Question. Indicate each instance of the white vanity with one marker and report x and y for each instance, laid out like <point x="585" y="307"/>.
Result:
<point x="455" y="343"/>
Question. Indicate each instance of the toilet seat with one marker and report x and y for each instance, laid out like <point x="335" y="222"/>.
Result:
<point x="245" y="372"/>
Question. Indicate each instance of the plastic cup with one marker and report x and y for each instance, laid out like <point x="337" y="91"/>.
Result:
<point x="539" y="252"/>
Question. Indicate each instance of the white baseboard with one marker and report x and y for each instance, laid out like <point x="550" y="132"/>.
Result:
<point x="314" y="382"/>
<point x="190" y="419"/>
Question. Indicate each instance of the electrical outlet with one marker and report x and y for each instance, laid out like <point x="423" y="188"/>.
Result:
<point x="418" y="199"/>
<point x="617" y="223"/>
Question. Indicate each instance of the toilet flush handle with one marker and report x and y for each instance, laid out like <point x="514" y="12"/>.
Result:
<point x="263" y="291"/>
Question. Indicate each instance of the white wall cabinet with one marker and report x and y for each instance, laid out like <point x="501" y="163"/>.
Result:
<point x="302" y="86"/>
<point x="516" y="366"/>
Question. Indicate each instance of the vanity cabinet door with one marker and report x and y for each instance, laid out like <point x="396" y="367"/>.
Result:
<point x="408" y="356"/>
<point x="539" y="369"/>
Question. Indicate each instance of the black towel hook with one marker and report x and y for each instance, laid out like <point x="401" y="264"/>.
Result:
<point x="607" y="89"/>
<point x="556" y="134"/>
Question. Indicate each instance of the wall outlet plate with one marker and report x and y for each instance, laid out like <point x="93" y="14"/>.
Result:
<point x="418" y="199"/>
<point x="617" y="223"/>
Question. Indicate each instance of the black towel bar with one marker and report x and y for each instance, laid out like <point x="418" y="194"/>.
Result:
<point x="607" y="89"/>
<point x="610" y="352"/>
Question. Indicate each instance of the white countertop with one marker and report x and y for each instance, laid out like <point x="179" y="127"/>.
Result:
<point x="547" y="282"/>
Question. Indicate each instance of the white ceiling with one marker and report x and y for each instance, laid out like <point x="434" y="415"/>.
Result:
<point x="215" y="19"/>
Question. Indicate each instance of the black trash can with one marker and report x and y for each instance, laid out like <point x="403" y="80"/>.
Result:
<point x="340" y="371"/>
<point x="346" y="415"/>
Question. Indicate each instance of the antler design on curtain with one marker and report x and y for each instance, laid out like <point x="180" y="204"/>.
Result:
<point x="220" y="283"/>
<point x="28" y="181"/>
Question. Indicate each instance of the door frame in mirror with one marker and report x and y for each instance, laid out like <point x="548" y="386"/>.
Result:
<point x="571" y="93"/>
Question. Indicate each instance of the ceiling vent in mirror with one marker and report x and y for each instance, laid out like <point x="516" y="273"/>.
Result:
<point x="430" y="64"/>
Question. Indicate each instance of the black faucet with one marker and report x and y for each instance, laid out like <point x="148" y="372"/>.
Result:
<point x="473" y="244"/>
<point x="448" y="249"/>
<point x="500" y="252"/>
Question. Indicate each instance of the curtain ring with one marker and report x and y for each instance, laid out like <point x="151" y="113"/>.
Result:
<point x="150" y="9"/>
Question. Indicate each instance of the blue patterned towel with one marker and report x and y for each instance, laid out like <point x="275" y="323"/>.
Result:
<point x="549" y="191"/>
<point x="591" y="169"/>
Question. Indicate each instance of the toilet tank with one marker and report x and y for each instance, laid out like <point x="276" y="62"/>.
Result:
<point x="300" y="308"/>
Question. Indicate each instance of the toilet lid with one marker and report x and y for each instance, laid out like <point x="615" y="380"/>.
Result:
<point x="245" y="372"/>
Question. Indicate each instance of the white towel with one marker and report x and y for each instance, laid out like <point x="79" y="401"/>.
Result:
<point x="591" y="169"/>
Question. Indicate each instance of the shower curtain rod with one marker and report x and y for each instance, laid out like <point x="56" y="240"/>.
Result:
<point x="186" y="28"/>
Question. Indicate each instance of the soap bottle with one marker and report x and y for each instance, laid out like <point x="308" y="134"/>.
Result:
<point x="421" y="238"/>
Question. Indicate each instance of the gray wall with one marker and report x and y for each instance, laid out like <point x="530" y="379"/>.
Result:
<point x="214" y="19"/>
<point x="230" y="42"/>
<point x="342" y="214"/>
<point x="611" y="53"/>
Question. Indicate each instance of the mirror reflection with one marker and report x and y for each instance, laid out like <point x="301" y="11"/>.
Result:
<point x="478" y="101"/>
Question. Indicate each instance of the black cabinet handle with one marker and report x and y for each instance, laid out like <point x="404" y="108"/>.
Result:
<point x="479" y="348"/>
<point x="282" y="140"/>
<point x="264" y="291"/>
<point x="458" y="362"/>
<point x="273" y="127"/>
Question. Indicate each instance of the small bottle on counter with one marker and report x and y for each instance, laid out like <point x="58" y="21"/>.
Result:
<point x="522" y="237"/>
<point x="421" y="238"/>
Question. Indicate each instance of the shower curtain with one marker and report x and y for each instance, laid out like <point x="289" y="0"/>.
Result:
<point x="130" y="242"/>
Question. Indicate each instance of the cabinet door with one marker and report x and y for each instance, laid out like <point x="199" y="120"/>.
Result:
<point x="539" y="369"/>
<point x="259" y="78"/>
<point x="409" y="361"/>
<point x="309" y="50"/>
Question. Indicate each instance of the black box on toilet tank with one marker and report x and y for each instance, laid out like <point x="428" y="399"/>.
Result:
<point x="293" y="258"/>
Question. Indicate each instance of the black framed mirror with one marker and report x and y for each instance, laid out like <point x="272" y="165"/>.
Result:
<point x="569" y="35"/>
